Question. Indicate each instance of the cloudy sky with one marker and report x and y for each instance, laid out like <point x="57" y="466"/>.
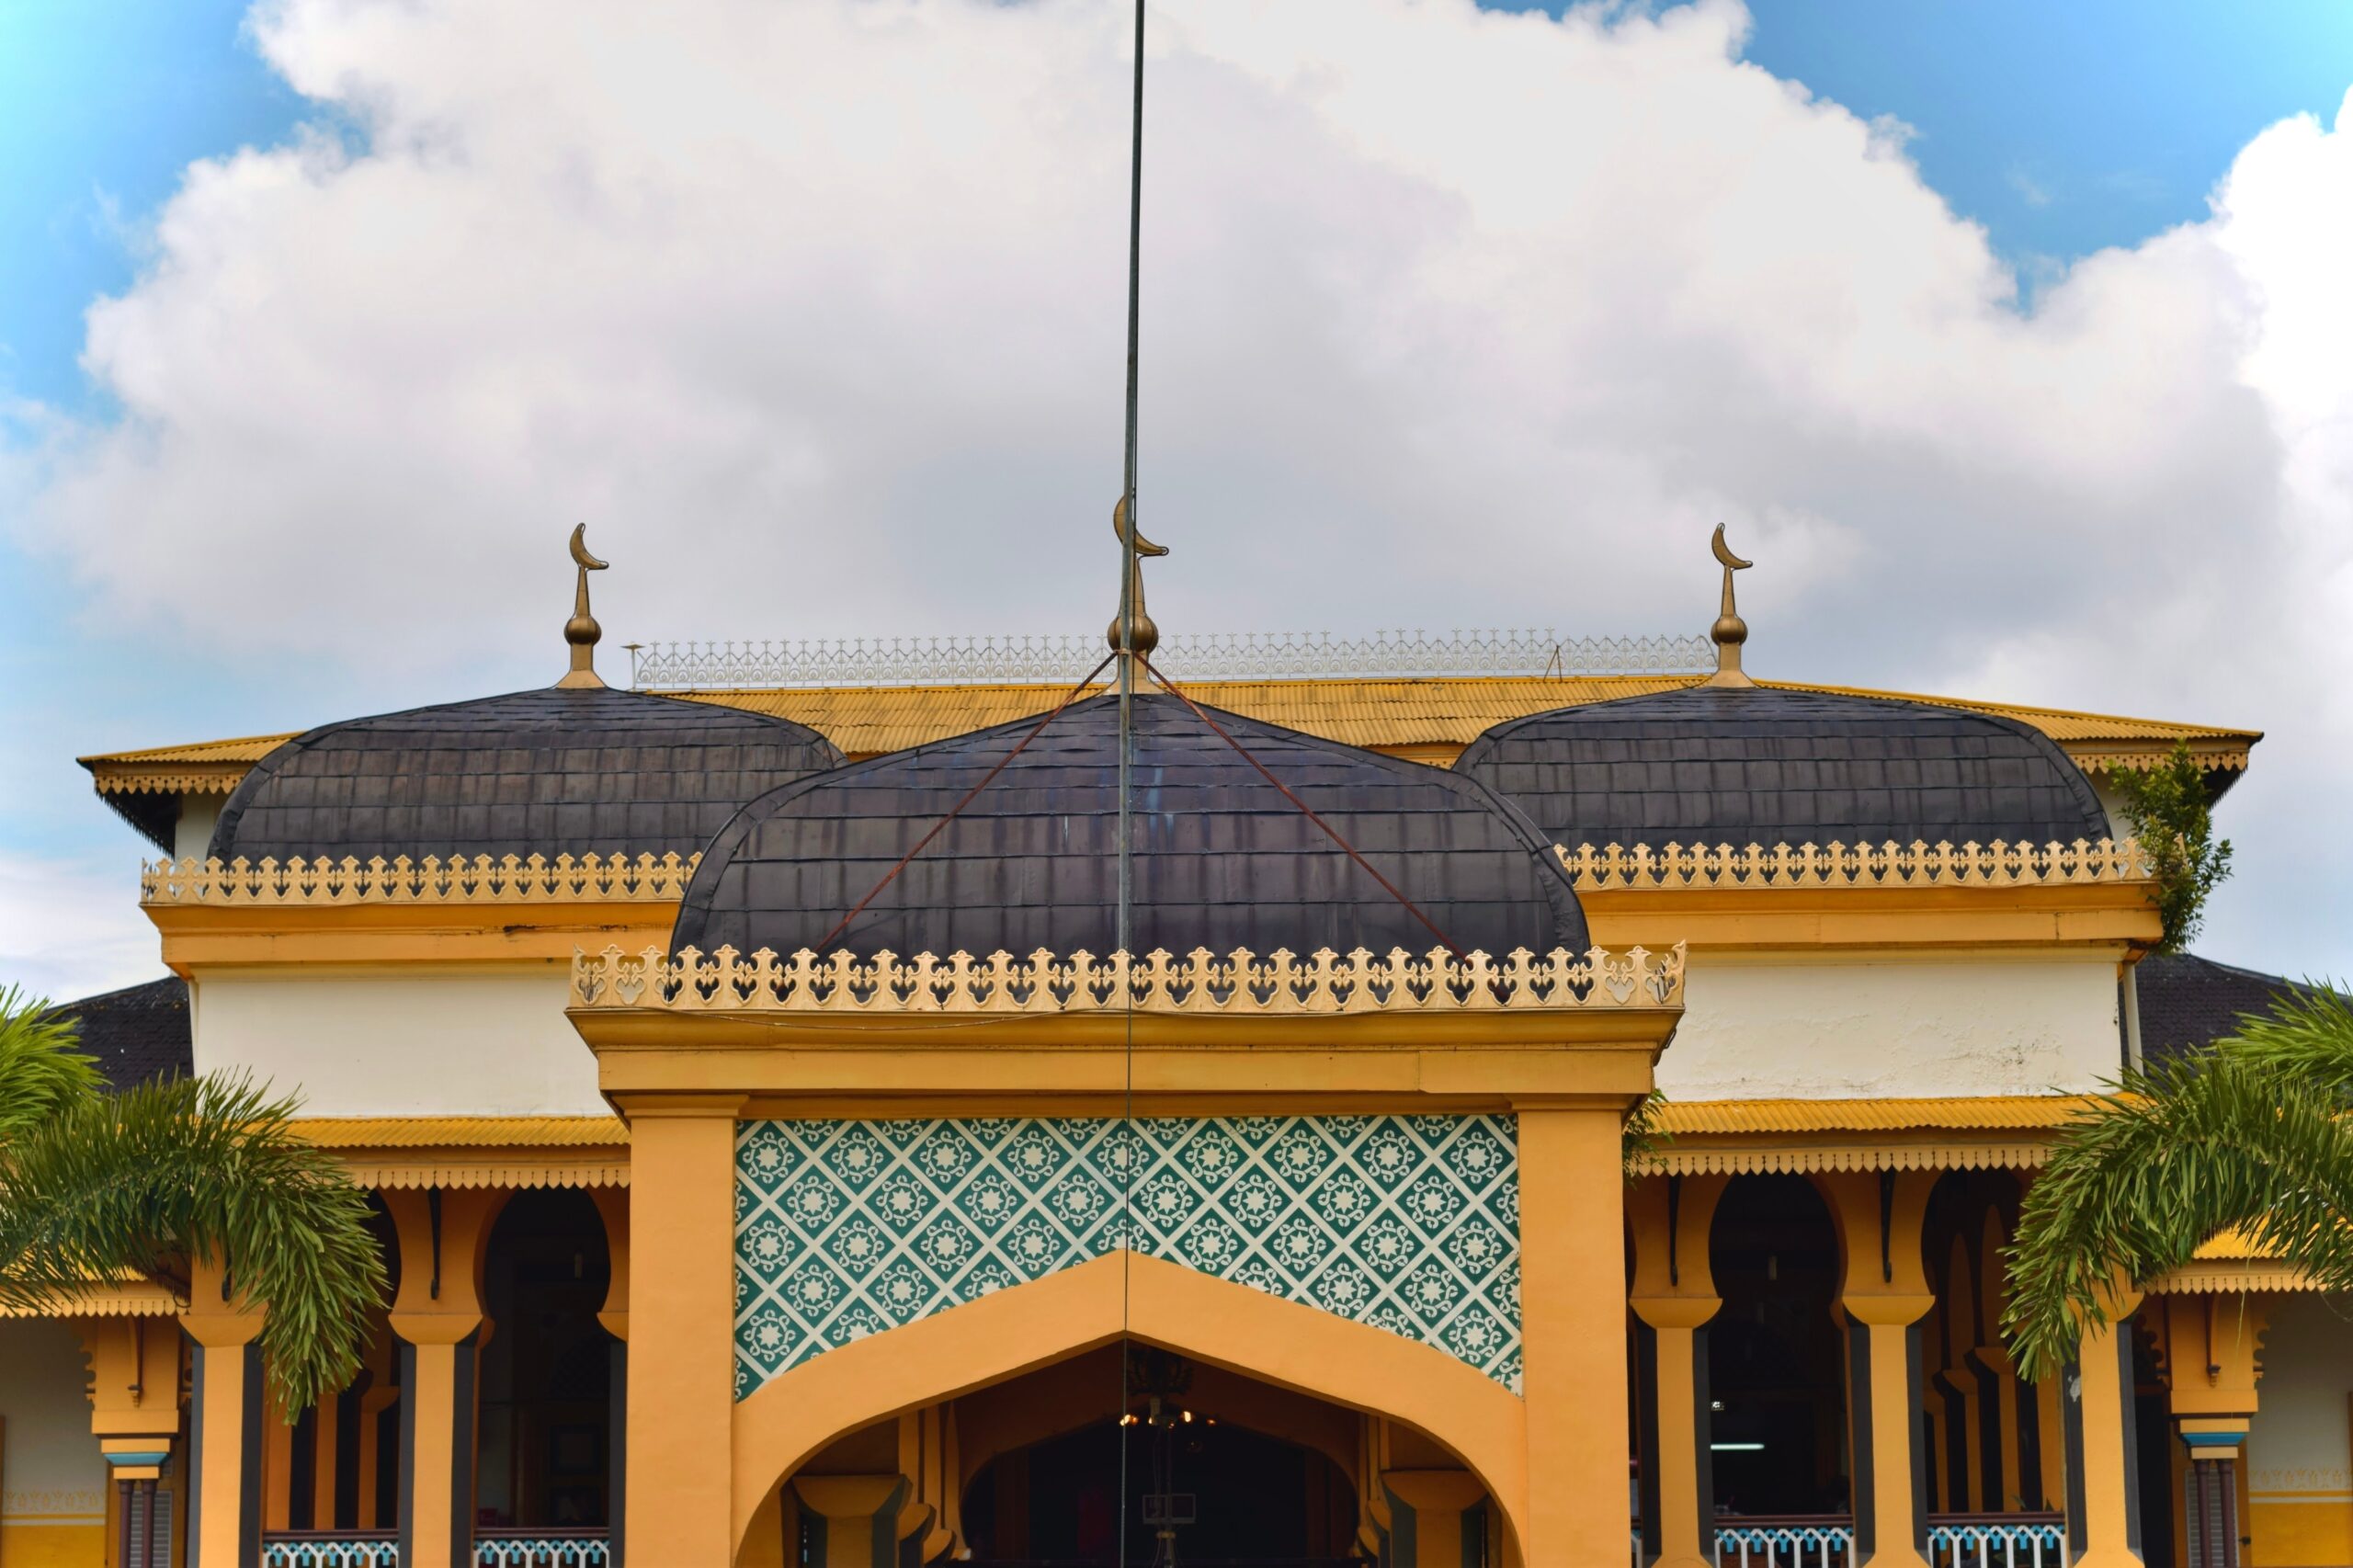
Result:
<point x="2014" y="347"/>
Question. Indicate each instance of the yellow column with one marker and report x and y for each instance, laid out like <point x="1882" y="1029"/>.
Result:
<point x="224" y="1426"/>
<point x="2099" y="1439"/>
<point x="1573" y="1329"/>
<point x="277" y="1468"/>
<point x="379" y="1397"/>
<point x="1675" y="1294"/>
<point x="326" y="1429"/>
<point x="859" y="1511"/>
<point x="438" y="1315"/>
<point x="2004" y="1414"/>
<point x="1430" y="1511"/>
<point x="2051" y="1432"/>
<point x="1885" y="1293"/>
<point x="682" y="1342"/>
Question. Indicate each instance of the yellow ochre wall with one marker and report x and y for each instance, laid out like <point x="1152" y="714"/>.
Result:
<point x="2300" y="1445"/>
<point x="53" y="1478"/>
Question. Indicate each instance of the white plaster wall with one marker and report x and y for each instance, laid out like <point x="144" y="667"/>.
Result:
<point x="192" y="834"/>
<point x="2113" y="805"/>
<point x="439" y="1042"/>
<point x="1892" y="1026"/>
<point x="2302" y="1438"/>
<point x="50" y="1465"/>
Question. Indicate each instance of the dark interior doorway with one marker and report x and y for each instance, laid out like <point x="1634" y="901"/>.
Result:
<point x="547" y="1371"/>
<point x="1255" y="1500"/>
<point x="1776" y="1357"/>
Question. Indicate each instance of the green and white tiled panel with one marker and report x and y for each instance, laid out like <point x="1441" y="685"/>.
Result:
<point x="844" y="1229"/>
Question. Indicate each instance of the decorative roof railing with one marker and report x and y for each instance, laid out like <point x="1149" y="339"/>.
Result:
<point x="1237" y="656"/>
<point x="1854" y="865"/>
<point x="648" y="879"/>
<point x="567" y="879"/>
<point x="1199" y="984"/>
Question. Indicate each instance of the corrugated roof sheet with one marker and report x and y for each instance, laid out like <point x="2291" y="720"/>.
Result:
<point x="1439" y="713"/>
<point x="1984" y="1113"/>
<point x="461" y="1132"/>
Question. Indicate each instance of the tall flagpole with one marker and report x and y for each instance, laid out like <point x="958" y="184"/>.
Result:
<point x="1129" y="583"/>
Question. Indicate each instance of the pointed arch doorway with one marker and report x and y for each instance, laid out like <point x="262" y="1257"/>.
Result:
<point x="870" y="1454"/>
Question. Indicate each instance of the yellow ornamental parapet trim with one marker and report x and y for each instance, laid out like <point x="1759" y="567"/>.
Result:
<point x="1835" y="864"/>
<point x="1200" y="984"/>
<point x="323" y="884"/>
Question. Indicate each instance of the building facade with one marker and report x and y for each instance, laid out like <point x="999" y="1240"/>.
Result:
<point x="783" y="1160"/>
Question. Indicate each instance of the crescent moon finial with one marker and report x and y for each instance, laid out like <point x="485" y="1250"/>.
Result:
<point x="1145" y="636"/>
<point x="1728" y="631"/>
<point x="1724" y="555"/>
<point x="589" y="563"/>
<point x="582" y="630"/>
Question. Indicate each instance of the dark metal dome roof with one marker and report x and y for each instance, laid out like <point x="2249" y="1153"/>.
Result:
<point x="1753" y="765"/>
<point x="546" y="772"/>
<point x="1222" y="860"/>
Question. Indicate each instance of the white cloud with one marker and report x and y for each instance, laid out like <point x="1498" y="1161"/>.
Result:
<point x="71" y="928"/>
<point x="813" y="314"/>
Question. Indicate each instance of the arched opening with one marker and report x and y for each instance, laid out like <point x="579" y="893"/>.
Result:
<point x="1441" y="1430"/>
<point x="546" y="1377"/>
<point x="336" y="1467"/>
<point x="1777" y="1372"/>
<point x="1202" y="1465"/>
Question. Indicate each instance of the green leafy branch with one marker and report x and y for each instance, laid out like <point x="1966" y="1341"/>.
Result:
<point x="2168" y="811"/>
<point x="2252" y="1134"/>
<point x="96" y="1186"/>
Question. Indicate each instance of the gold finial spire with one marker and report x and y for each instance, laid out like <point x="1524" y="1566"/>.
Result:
<point x="1728" y="631"/>
<point x="582" y="630"/>
<point x="1147" y="635"/>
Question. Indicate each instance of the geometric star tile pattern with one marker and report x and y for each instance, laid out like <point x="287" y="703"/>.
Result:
<point x="1410" y="1224"/>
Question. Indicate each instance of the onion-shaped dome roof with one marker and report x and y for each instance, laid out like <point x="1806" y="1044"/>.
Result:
<point x="1713" y="765"/>
<point x="578" y="770"/>
<point x="1220" y="858"/>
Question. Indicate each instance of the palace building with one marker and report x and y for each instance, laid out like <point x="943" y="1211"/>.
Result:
<point x="799" y="1134"/>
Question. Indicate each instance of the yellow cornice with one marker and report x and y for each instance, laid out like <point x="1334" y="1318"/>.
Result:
<point x="200" y="935"/>
<point x="936" y="1064"/>
<point x="2117" y="915"/>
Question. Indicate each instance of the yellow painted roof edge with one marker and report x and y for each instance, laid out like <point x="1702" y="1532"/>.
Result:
<point x="1992" y="1112"/>
<point x="215" y="765"/>
<point x="461" y="1132"/>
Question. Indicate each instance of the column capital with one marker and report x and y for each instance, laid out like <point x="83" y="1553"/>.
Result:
<point x="1671" y="1219"/>
<point x="1683" y="1311"/>
<point x="1880" y="1215"/>
<point x="1887" y="1310"/>
<point x="217" y="1318"/>
<point x="443" y="1234"/>
<point x="1433" y="1491"/>
<point x="845" y="1499"/>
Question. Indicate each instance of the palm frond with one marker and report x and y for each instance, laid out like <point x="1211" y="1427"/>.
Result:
<point x="40" y="1069"/>
<point x="207" y="1168"/>
<point x="2250" y="1135"/>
